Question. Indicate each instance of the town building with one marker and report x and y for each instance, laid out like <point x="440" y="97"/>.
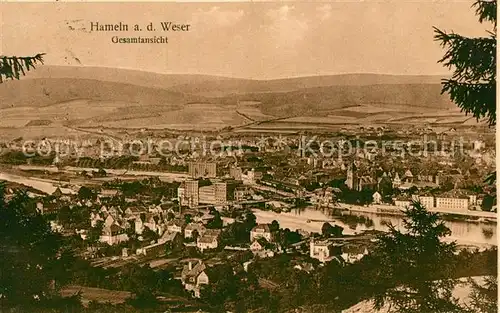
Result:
<point x="352" y="177"/>
<point x="323" y="251"/>
<point x="452" y="203"/>
<point x="191" y="228"/>
<point x="402" y="203"/>
<point x="242" y="193"/>
<point x="427" y="202"/>
<point x="352" y="254"/>
<point x="188" y="193"/>
<point x="194" y="277"/>
<point x="202" y="169"/>
<point x="261" y="231"/>
<point x="456" y="204"/>
<point x="156" y="250"/>
<point x="175" y="226"/>
<point x="356" y="182"/>
<point x="207" y="194"/>
<point x="113" y="234"/>
<point x="236" y="173"/>
<point x="261" y="248"/>
<point x="251" y="177"/>
<point x="396" y="181"/>
<point x="209" y="239"/>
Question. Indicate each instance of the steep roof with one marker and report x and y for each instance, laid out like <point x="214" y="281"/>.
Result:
<point x="195" y="271"/>
<point x="262" y="227"/>
<point x="408" y="173"/>
<point x="168" y="236"/>
<point x="209" y="236"/>
<point x="194" y="226"/>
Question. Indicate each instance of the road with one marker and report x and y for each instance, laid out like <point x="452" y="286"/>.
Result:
<point x="113" y="138"/>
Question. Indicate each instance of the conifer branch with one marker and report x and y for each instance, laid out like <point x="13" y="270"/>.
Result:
<point x="14" y="67"/>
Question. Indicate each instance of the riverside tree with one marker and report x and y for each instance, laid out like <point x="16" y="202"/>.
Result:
<point x="416" y="267"/>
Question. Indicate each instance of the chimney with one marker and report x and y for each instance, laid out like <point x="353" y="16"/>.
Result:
<point x="190" y="265"/>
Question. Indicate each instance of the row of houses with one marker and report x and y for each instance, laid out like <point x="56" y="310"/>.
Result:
<point x="196" y="275"/>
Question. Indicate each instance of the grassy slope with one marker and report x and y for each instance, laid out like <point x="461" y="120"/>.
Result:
<point x="141" y="95"/>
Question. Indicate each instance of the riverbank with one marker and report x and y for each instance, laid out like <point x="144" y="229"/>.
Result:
<point x="115" y="172"/>
<point x="44" y="185"/>
<point x="311" y="220"/>
<point x="394" y="210"/>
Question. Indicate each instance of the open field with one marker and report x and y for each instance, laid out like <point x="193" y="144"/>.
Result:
<point x="191" y="116"/>
<point x="97" y="294"/>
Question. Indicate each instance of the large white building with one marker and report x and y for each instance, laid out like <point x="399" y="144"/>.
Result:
<point x="460" y="204"/>
<point x="427" y="201"/>
<point x="188" y="193"/>
<point x="217" y="193"/>
<point x="207" y="194"/>
<point x="447" y="203"/>
<point x="402" y="204"/>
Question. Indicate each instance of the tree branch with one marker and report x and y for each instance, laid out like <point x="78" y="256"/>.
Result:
<point x="14" y="67"/>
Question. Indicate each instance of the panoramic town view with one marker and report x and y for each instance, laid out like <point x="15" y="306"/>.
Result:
<point x="323" y="180"/>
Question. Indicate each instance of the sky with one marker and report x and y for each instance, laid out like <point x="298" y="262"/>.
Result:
<point x="259" y="40"/>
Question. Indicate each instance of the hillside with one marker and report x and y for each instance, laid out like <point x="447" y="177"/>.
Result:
<point x="219" y="88"/>
<point x="125" y="76"/>
<point x="317" y="101"/>
<point x="48" y="91"/>
<point x="57" y="99"/>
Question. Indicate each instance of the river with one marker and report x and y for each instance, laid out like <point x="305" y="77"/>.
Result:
<point x="44" y="185"/>
<point x="466" y="233"/>
<point x="167" y="176"/>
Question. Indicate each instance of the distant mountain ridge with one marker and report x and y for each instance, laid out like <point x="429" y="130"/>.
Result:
<point x="91" y="97"/>
<point x="118" y="75"/>
<point x="197" y="83"/>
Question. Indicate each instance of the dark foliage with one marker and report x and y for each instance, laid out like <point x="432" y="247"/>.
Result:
<point x="473" y="83"/>
<point x="13" y="67"/>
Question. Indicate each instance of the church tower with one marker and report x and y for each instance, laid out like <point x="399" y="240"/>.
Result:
<point x="352" y="177"/>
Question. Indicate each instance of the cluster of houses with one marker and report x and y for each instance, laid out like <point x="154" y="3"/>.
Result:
<point x="170" y="228"/>
<point x="402" y="181"/>
<point x="326" y="251"/>
<point x="196" y="275"/>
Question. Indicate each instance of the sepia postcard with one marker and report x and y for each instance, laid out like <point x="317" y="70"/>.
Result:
<point x="274" y="156"/>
